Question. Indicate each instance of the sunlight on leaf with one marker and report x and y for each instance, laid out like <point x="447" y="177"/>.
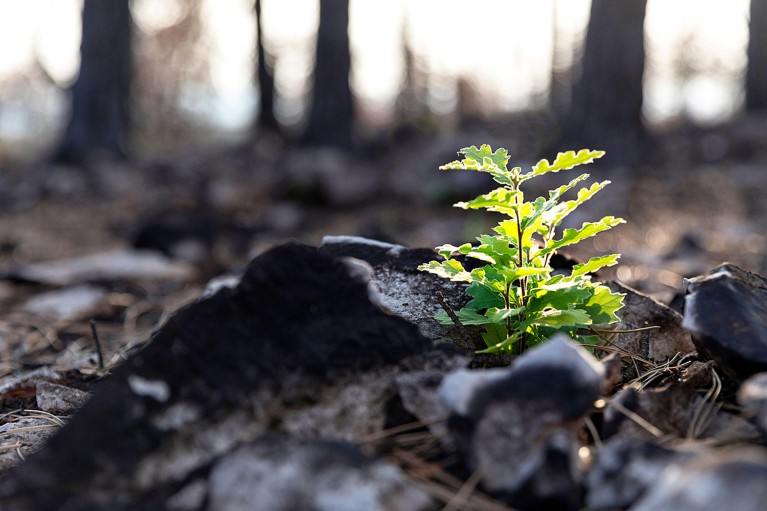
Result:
<point x="516" y="296"/>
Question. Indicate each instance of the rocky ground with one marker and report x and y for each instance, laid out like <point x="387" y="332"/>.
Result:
<point x="94" y="262"/>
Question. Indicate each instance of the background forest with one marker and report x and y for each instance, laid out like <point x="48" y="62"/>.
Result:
<point x="211" y="130"/>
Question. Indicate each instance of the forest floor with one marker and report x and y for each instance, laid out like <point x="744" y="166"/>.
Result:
<point x="700" y="201"/>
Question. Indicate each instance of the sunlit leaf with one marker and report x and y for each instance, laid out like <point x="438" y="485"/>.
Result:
<point x="588" y="229"/>
<point x="594" y="264"/>
<point x="561" y="295"/>
<point x="514" y="296"/>
<point x="564" y="161"/>
<point x="603" y="305"/>
<point x="484" y="159"/>
<point x="500" y="200"/>
<point x="556" y="214"/>
<point x="450" y="269"/>
<point x="560" y="318"/>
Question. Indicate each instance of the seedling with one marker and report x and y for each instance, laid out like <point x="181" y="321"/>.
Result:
<point x="515" y="294"/>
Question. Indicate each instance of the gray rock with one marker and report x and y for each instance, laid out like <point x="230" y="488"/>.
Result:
<point x="752" y="395"/>
<point x="22" y="437"/>
<point x="642" y="311"/>
<point x="735" y="480"/>
<point x="650" y="413"/>
<point x="418" y="391"/>
<point x="72" y="303"/>
<point x="518" y="424"/>
<point x="726" y="311"/>
<point x="59" y="399"/>
<point x="405" y="291"/>
<point x="120" y="264"/>
<point x="623" y="469"/>
<point x="680" y="409"/>
<point x="285" y="474"/>
<point x="296" y="347"/>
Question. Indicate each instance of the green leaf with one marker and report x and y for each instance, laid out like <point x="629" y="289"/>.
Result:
<point x="500" y="200"/>
<point x="530" y="212"/>
<point x="499" y="158"/>
<point x="483" y="297"/>
<point x="484" y="159"/>
<point x="588" y="229"/>
<point x="443" y="318"/>
<point x="515" y="291"/>
<point x="489" y="276"/>
<point x="497" y="340"/>
<point x="594" y="264"/>
<point x="514" y="273"/>
<point x="467" y="249"/>
<point x="564" y="161"/>
<point x="493" y="316"/>
<point x="497" y="247"/>
<point x="542" y="206"/>
<point x="603" y="305"/>
<point x="450" y="269"/>
<point x="560" y="211"/>
<point x="507" y="229"/>
<point x="561" y="295"/>
<point x="500" y="315"/>
<point x="447" y="250"/>
<point x="559" y="318"/>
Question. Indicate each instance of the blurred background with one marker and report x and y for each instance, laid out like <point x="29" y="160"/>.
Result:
<point x="209" y="130"/>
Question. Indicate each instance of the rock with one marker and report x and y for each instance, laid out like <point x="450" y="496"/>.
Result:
<point x="418" y="391"/>
<point x="71" y="303"/>
<point x="652" y="413"/>
<point x="518" y="424"/>
<point x="752" y="395"/>
<point x="20" y="392"/>
<point x="726" y="311"/>
<point x="22" y="437"/>
<point x="106" y="266"/>
<point x="403" y="289"/>
<point x="683" y="409"/>
<point x="221" y="372"/>
<point x="641" y="311"/>
<point x="735" y="480"/>
<point x="59" y="399"/>
<point x="623" y="469"/>
<point x="285" y="474"/>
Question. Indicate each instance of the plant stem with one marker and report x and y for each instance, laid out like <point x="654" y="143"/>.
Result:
<point x="507" y="302"/>
<point x="522" y="342"/>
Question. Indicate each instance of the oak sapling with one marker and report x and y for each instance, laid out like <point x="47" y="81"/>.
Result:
<point x="515" y="295"/>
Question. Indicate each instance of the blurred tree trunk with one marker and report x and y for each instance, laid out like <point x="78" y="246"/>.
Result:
<point x="266" y="119"/>
<point x="606" y="108"/>
<point x="100" y="117"/>
<point x="756" y="74"/>
<point x="331" y="118"/>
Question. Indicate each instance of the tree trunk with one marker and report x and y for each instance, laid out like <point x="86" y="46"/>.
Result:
<point x="606" y="108"/>
<point x="266" y="119"/>
<point x="331" y="117"/>
<point x="756" y="74"/>
<point x="99" y="121"/>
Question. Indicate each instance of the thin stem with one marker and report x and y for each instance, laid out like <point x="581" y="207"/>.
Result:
<point x="507" y="302"/>
<point x="546" y="241"/>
